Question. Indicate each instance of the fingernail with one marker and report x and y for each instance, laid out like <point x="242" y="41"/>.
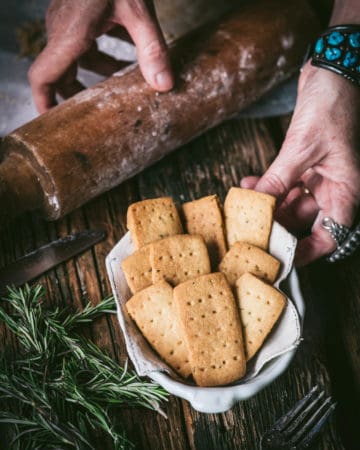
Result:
<point x="164" y="80"/>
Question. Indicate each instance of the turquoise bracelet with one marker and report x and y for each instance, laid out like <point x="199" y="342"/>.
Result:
<point x="338" y="49"/>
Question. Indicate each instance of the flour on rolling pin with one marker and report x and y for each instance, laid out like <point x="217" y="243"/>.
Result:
<point x="108" y="133"/>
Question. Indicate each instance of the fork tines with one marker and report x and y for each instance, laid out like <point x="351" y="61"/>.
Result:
<point x="298" y="428"/>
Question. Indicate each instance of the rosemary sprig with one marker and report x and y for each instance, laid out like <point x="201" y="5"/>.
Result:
<point x="60" y="390"/>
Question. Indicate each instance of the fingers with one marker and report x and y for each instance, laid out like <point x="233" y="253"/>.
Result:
<point x="249" y="182"/>
<point x="297" y="214"/>
<point x="299" y="152"/>
<point x="150" y="44"/>
<point x="44" y="97"/>
<point x="341" y="208"/>
<point x="50" y="71"/>
<point x="285" y="171"/>
<point x="50" y="67"/>
<point x="68" y="85"/>
<point x="312" y="247"/>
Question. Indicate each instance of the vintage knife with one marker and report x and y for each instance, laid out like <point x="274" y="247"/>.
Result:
<point x="45" y="258"/>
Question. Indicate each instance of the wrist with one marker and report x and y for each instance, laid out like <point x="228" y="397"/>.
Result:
<point x="329" y="83"/>
<point x="320" y="76"/>
<point x="345" y="11"/>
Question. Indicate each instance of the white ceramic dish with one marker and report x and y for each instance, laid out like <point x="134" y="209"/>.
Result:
<point x="213" y="399"/>
<point x="221" y="399"/>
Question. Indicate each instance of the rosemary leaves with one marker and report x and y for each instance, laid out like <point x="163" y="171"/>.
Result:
<point x="60" y="390"/>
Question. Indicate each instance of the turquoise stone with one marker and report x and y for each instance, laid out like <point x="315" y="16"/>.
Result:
<point x="335" y="38"/>
<point x="358" y="69"/>
<point x="319" y="46"/>
<point x="354" y="40"/>
<point x="332" y="53"/>
<point x="350" y="59"/>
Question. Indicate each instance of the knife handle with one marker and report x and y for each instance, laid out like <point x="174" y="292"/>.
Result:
<point x="20" y="189"/>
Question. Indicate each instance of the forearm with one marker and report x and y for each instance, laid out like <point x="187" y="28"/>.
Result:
<point x="345" y="11"/>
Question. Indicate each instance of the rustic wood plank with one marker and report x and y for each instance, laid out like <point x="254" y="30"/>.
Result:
<point x="329" y="354"/>
<point x="336" y="289"/>
<point x="336" y="293"/>
<point x="237" y="148"/>
<point x="212" y="163"/>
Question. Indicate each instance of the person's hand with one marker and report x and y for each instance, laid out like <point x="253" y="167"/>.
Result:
<point x="317" y="172"/>
<point x="72" y="27"/>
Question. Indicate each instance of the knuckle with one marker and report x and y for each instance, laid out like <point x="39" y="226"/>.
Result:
<point x="274" y="183"/>
<point x="302" y="145"/>
<point x="154" y="50"/>
<point x="79" y="46"/>
<point x="73" y="44"/>
<point x="309" y="147"/>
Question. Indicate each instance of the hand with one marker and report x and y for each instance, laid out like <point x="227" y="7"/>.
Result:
<point x="72" y="27"/>
<point x="320" y="154"/>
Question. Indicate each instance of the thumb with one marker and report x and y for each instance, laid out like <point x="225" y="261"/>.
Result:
<point x="285" y="171"/>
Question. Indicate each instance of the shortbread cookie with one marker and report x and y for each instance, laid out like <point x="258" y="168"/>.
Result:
<point x="153" y="219"/>
<point x="248" y="217"/>
<point x="154" y="311"/>
<point x="260" y="307"/>
<point x="204" y="217"/>
<point x="243" y="257"/>
<point x="179" y="258"/>
<point x="212" y="329"/>
<point x="137" y="269"/>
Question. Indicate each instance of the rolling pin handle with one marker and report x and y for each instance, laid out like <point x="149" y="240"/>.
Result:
<point x="19" y="188"/>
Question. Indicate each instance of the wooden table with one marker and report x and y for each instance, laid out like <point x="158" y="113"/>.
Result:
<point x="329" y="354"/>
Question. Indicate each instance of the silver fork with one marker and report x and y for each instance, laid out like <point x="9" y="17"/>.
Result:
<point x="297" y="429"/>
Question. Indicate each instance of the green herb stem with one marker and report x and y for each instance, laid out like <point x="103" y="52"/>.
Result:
<point x="60" y="391"/>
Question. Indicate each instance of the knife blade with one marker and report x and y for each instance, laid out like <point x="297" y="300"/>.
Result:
<point x="47" y="257"/>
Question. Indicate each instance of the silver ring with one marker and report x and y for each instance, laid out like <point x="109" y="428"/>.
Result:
<point x="347" y="241"/>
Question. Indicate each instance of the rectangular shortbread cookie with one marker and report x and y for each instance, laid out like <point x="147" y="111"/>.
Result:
<point x="212" y="329"/>
<point x="154" y="312"/>
<point x="244" y="257"/>
<point x="204" y="217"/>
<point x="153" y="219"/>
<point x="248" y="217"/>
<point x="260" y="307"/>
<point x="179" y="258"/>
<point x="137" y="269"/>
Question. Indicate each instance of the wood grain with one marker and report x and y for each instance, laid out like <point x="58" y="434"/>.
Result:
<point x="328" y="356"/>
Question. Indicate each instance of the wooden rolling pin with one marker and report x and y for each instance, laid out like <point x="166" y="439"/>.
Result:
<point x="110" y="132"/>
